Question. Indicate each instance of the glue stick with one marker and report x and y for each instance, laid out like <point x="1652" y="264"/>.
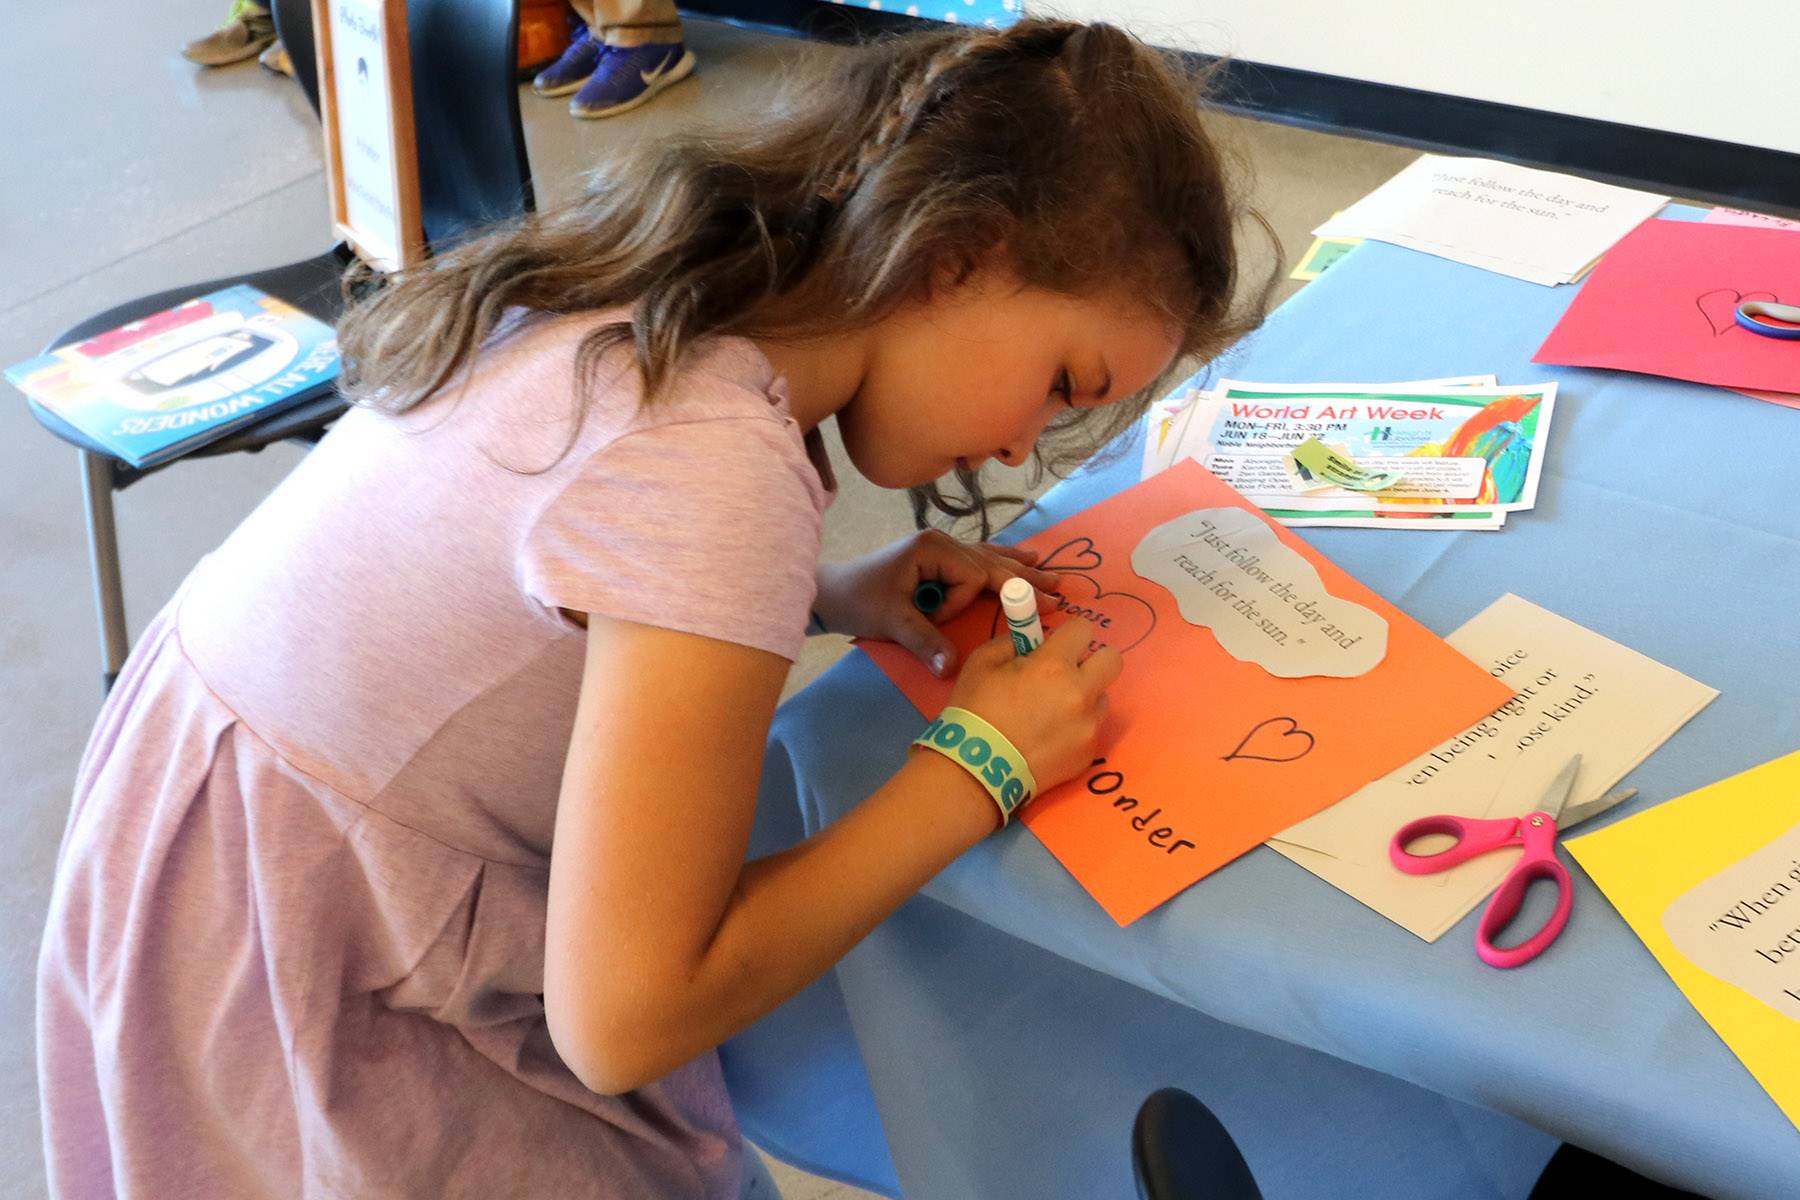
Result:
<point x="1019" y="602"/>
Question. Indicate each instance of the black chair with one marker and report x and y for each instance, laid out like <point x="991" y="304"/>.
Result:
<point x="1180" y="1151"/>
<point x="472" y="171"/>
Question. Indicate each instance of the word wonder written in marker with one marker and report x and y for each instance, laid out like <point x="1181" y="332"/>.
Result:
<point x="1109" y="785"/>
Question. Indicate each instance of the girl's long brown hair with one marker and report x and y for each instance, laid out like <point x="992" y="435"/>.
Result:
<point x="1074" y="151"/>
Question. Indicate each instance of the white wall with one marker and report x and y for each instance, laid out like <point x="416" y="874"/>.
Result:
<point x="1729" y="71"/>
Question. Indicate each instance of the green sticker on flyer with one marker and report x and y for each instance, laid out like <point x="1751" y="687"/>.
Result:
<point x="1317" y="465"/>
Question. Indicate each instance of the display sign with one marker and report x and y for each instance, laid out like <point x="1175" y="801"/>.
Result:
<point x="365" y="103"/>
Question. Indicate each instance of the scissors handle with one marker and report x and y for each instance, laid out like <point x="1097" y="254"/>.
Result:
<point x="1473" y="838"/>
<point x="1538" y="831"/>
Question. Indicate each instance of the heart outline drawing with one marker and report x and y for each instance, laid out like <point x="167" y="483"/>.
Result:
<point x="1293" y="731"/>
<point x="1721" y="328"/>
<point x="1130" y="599"/>
<point x="1084" y="556"/>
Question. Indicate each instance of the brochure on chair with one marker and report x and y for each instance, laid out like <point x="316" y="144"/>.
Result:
<point x="158" y="387"/>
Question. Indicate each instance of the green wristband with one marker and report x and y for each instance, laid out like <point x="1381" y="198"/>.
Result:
<point x="983" y="751"/>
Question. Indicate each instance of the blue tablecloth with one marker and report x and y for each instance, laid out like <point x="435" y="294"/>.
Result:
<point x="1008" y="1027"/>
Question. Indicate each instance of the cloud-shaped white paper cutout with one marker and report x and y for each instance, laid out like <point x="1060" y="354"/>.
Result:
<point x="1264" y="602"/>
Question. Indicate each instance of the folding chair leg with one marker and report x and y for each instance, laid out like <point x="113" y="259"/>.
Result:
<point x="103" y="556"/>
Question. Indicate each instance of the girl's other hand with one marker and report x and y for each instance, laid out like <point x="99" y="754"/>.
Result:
<point x="1050" y="703"/>
<point x="872" y="596"/>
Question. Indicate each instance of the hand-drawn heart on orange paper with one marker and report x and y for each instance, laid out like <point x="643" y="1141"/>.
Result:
<point x="1719" y="307"/>
<point x="1076" y="554"/>
<point x="1274" y="746"/>
<point x="1121" y="620"/>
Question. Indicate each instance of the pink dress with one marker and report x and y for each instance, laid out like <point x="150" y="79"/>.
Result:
<point x="296" y="942"/>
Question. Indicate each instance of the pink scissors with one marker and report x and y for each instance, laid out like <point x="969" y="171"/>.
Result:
<point x="1536" y="831"/>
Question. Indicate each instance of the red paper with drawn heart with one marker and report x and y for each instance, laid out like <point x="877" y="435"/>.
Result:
<point x="1663" y="301"/>
<point x="1207" y="756"/>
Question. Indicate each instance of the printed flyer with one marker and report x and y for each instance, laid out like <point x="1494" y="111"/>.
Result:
<point x="1468" y="452"/>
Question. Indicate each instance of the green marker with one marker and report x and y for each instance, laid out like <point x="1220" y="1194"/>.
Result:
<point x="1019" y="602"/>
<point x="928" y="597"/>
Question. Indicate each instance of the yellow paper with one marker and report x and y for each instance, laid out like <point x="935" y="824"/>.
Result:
<point x="1646" y="866"/>
<point x="1322" y="254"/>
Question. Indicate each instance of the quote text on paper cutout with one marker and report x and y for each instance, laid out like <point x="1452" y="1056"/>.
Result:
<point x="1230" y="572"/>
<point x="1455" y="183"/>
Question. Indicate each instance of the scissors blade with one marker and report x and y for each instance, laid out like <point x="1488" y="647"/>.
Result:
<point x="1575" y="814"/>
<point x="1557" y="794"/>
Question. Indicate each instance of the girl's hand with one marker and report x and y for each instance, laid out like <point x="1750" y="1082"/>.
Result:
<point x="1050" y="703"/>
<point x="872" y="597"/>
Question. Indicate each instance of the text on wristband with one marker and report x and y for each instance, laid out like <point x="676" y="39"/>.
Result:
<point x="996" y="770"/>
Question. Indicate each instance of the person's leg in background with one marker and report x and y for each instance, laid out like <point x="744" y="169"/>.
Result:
<point x="577" y="63"/>
<point x="249" y="30"/>
<point x="641" y="53"/>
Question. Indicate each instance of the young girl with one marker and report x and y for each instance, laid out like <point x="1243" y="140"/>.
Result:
<point x="407" y="858"/>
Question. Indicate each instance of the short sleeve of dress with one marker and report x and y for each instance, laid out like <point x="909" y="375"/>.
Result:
<point x="710" y="526"/>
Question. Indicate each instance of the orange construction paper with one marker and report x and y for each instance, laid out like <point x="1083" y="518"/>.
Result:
<point x="1206" y="756"/>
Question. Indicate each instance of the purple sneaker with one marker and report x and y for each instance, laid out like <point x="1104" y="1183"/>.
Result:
<point x="629" y="75"/>
<point x="572" y="70"/>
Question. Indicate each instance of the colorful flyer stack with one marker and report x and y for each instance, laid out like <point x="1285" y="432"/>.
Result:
<point x="1442" y="454"/>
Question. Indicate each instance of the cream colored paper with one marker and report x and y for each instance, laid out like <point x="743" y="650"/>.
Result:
<point x="1578" y="693"/>
<point x="1541" y="226"/>
<point x="1742" y="925"/>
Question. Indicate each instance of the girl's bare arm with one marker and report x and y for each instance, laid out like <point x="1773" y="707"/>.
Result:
<point x="662" y="942"/>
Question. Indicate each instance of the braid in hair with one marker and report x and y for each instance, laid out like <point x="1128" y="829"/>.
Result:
<point x="921" y="97"/>
<point x="924" y="94"/>
<point x="916" y="101"/>
<point x="915" y="98"/>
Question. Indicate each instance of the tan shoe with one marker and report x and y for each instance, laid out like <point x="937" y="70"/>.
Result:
<point x="246" y="33"/>
<point x="276" y="59"/>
